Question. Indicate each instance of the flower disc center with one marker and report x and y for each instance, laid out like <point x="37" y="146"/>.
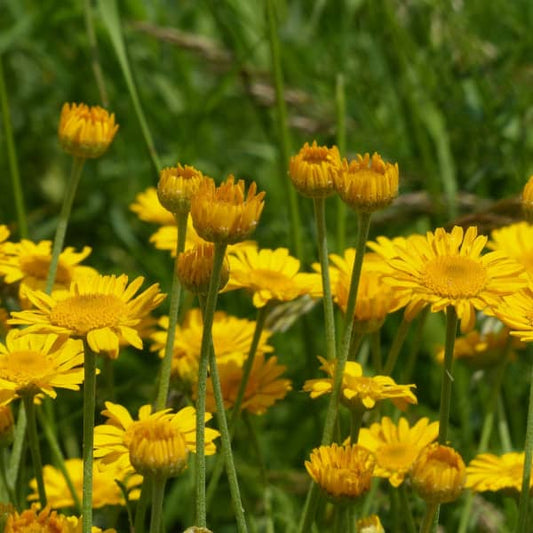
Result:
<point x="26" y="366"/>
<point x="37" y="266"/>
<point x="397" y="456"/>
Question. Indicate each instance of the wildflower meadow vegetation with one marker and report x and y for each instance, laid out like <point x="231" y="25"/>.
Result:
<point x="266" y="266"/>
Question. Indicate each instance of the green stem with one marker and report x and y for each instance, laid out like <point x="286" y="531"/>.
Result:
<point x="175" y="294"/>
<point x="3" y="475"/>
<point x="370" y="499"/>
<point x="62" y="223"/>
<point x="17" y="452"/>
<point x="356" y="421"/>
<point x="158" y="495"/>
<point x="525" y="494"/>
<point x="351" y="518"/>
<point x="503" y="428"/>
<point x="14" y="173"/>
<point x="33" y="441"/>
<point x="209" y="312"/>
<point x="446" y="389"/>
<point x="142" y="506"/>
<point x="428" y="521"/>
<point x="322" y="239"/>
<point x="340" y="109"/>
<point x="406" y="510"/>
<point x="397" y="343"/>
<point x="283" y="127"/>
<point x="89" y="400"/>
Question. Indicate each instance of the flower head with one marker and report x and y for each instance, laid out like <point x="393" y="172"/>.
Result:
<point x="439" y="474"/>
<point x="148" y="208"/>
<point x="370" y="524"/>
<point x="515" y="241"/>
<point x="516" y="312"/>
<point x="396" y="446"/>
<point x="367" y="183"/>
<point x="527" y="199"/>
<point x="358" y="390"/>
<point x="100" y="309"/>
<point x="342" y="472"/>
<point x="225" y="214"/>
<point x="156" y="443"/>
<point x="312" y="170"/>
<point x="85" y="131"/>
<point x="176" y="187"/>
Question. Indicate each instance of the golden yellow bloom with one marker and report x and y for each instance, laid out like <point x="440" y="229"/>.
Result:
<point x="148" y="208"/>
<point x="367" y="184"/>
<point x="370" y="524"/>
<point x="224" y="214"/>
<point x="358" y="390"/>
<point x="270" y="275"/>
<point x="438" y="474"/>
<point x="155" y="443"/>
<point x="342" y="472"/>
<point x="263" y="389"/>
<point x="312" y="170"/>
<point x="516" y="241"/>
<point x="443" y="269"/>
<point x="488" y="472"/>
<point x="516" y="312"/>
<point x="230" y="334"/>
<point x="86" y="131"/>
<point x="105" y="488"/>
<point x="195" y="266"/>
<point x="396" y="446"/>
<point x="527" y="199"/>
<point x="176" y="187"/>
<point x="32" y="363"/>
<point x="100" y="309"/>
<point x="6" y="425"/>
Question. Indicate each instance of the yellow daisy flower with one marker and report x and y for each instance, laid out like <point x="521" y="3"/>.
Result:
<point x="489" y="472"/>
<point x="396" y="446"/>
<point x="263" y="389"/>
<point x="516" y="312"/>
<point x="33" y="364"/>
<point x="515" y="241"/>
<point x="357" y="390"/>
<point x="176" y="186"/>
<point x="100" y="309"/>
<point x="86" y="131"/>
<point x="342" y="472"/>
<point x="230" y="334"/>
<point x="106" y="491"/>
<point x="270" y="275"/>
<point x="155" y="443"/>
<point x="444" y="269"/>
<point x="148" y="208"/>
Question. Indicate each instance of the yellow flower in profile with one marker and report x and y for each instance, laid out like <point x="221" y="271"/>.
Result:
<point x="85" y="131"/>
<point x="516" y="241"/>
<point x="263" y="389"/>
<point x="33" y="363"/>
<point x="100" y="309"/>
<point x="489" y="472"/>
<point x="360" y="391"/>
<point x="396" y="446"/>
<point x="527" y="199"/>
<point x="516" y="312"/>
<point x="447" y="269"/>
<point x="176" y="187"/>
<point x="370" y="524"/>
<point x="225" y="214"/>
<point x="106" y="490"/>
<point x="342" y="472"/>
<point x="148" y="208"/>
<point x="156" y="443"/>
<point x="312" y="170"/>
<point x="367" y="183"/>
<point x="270" y="275"/>
<point x="439" y="474"/>
<point x="230" y="335"/>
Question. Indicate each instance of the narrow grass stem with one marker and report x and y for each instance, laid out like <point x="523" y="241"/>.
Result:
<point x="209" y="312"/>
<point x="62" y="223"/>
<point x="428" y="521"/>
<point x="406" y="510"/>
<point x="322" y="240"/>
<point x="397" y="343"/>
<point x="356" y="422"/>
<point x="17" y="453"/>
<point x="89" y="401"/>
<point x="340" y="114"/>
<point x="142" y="506"/>
<point x="33" y="442"/>
<point x="3" y="476"/>
<point x="175" y="295"/>
<point x="158" y="495"/>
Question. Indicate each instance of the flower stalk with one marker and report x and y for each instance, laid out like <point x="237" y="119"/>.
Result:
<point x="158" y="494"/>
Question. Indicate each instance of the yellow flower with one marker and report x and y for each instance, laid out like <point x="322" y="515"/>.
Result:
<point x="86" y="131"/>
<point x="225" y="214"/>
<point x="367" y="184"/>
<point x="176" y="187"/>
<point x="271" y="275"/>
<point x="230" y="334"/>
<point x="264" y="385"/>
<point x="488" y="472"/>
<point x="527" y="199"/>
<point x="313" y="169"/>
<point x="358" y="390"/>
<point x="195" y="266"/>
<point x="447" y="269"/>
<point x="342" y="472"/>
<point x="396" y="446"/>
<point x="515" y="241"/>
<point x="100" y="309"/>
<point x="155" y="443"/>
<point x="106" y="490"/>
<point x="4" y="233"/>
<point x="148" y="208"/>
<point x="516" y="312"/>
<point x="438" y="474"/>
<point x="166" y="238"/>
<point x="33" y="364"/>
<point x="370" y="524"/>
